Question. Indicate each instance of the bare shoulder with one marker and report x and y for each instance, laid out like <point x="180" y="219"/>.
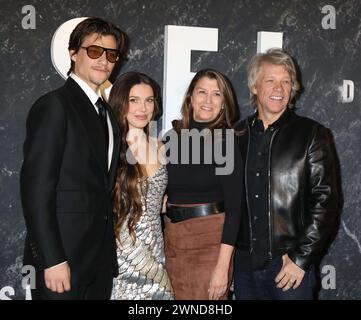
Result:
<point x="160" y="144"/>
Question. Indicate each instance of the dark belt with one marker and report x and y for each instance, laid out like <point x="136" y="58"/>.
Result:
<point x="177" y="213"/>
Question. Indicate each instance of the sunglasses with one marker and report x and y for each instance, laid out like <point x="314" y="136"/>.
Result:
<point x="95" y="52"/>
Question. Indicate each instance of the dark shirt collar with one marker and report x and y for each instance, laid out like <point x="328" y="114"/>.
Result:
<point x="278" y="123"/>
<point x="193" y="124"/>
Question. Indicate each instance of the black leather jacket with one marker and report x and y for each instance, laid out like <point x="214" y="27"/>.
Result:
<point x="303" y="201"/>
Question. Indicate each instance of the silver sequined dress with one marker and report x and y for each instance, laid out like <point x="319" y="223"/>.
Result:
<point x="142" y="274"/>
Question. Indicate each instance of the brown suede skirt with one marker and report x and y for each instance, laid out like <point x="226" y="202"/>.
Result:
<point x="191" y="250"/>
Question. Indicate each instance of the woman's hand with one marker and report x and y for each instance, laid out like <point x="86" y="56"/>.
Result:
<point x="218" y="283"/>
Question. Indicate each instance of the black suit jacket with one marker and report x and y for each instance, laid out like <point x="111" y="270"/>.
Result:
<point x="65" y="184"/>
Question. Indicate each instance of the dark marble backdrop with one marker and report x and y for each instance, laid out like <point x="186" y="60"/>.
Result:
<point x="326" y="58"/>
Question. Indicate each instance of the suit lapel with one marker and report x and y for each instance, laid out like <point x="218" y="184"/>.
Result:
<point x="116" y="147"/>
<point x="90" y="120"/>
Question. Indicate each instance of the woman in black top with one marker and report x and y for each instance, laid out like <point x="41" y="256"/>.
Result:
<point x="205" y="183"/>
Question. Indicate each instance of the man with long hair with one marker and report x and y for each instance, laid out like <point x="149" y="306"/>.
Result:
<point x="291" y="198"/>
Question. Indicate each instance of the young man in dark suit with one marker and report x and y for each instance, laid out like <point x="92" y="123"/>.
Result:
<point x="70" y="162"/>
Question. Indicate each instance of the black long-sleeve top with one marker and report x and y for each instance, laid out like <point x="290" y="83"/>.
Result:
<point x="197" y="182"/>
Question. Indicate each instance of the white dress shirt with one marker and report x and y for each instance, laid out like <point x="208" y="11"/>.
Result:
<point x="93" y="97"/>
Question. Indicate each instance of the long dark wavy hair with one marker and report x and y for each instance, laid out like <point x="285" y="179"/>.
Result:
<point x="228" y="115"/>
<point x="128" y="191"/>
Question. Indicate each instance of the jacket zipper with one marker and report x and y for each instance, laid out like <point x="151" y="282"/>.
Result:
<point x="269" y="196"/>
<point x="246" y="182"/>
